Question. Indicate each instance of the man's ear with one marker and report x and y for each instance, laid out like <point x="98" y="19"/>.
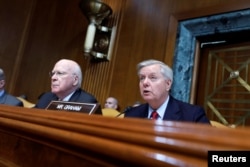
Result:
<point x="2" y="83"/>
<point x="168" y="84"/>
<point x="76" y="80"/>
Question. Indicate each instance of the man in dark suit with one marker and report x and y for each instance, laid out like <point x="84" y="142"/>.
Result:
<point x="66" y="80"/>
<point x="6" y="98"/>
<point x="155" y="84"/>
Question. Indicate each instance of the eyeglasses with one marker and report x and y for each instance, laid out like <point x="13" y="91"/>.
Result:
<point x="57" y="73"/>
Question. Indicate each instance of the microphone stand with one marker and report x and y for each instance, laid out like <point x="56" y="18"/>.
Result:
<point x="126" y="110"/>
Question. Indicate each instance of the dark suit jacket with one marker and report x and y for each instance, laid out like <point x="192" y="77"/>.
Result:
<point x="80" y="96"/>
<point x="176" y="111"/>
<point x="10" y="100"/>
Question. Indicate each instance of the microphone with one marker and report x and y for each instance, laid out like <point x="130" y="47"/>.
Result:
<point x="125" y="110"/>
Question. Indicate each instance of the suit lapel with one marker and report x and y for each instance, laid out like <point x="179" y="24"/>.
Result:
<point x="144" y="111"/>
<point x="139" y="111"/>
<point x="75" y="96"/>
<point x="172" y="111"/>
<point x="3" y="99"/>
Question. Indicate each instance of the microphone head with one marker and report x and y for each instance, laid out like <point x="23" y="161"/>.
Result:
<point x="127" y="109"/>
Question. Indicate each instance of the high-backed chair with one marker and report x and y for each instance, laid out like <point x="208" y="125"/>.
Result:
<point x="26" y="103"/>
<point x="109" y="112"/>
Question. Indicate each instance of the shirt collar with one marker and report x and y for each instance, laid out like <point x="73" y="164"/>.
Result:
<point x="1" y="93"/>
<point x="161" y="110"/>
<point x="68" y="97"/>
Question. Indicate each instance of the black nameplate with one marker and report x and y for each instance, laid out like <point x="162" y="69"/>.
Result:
<point x="89" y="108"/>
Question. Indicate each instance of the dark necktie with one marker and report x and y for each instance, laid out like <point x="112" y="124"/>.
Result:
<point x="154" y="115"/>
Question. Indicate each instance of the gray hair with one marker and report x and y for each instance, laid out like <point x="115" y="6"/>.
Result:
<point x="78" y="72"/>
<point x="2" y="76"/>
<point x="74" y="67"/>
<point x="166" y="71"/>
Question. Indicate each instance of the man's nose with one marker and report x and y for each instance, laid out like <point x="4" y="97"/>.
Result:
<point x="54" y="77"/>
<point x="145" y="82"/>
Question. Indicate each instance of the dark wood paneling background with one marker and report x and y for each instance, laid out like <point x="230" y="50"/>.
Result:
<point x="35" y="34"/>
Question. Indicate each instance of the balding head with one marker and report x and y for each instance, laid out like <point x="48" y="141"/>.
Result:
<point x="2" y="76"/>
<point x="2" y="79"/>
<point x="66" y="77"/>
<point x="111" y="102"/>
<point x="73" y="67"/>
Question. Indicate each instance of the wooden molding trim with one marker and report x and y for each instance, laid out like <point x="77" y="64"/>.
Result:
<point x="65" y="138"/>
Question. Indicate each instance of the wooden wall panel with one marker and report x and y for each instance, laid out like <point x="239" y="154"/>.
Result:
<point x="33" y="38"/>
<point x="98" y="76"/>
<point x="142" y="36"/>
<point x="14" y="19"/>
<point x="57" y="31"/>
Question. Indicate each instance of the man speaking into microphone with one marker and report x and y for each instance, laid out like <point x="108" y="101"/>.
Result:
<point x="155" y="81"/>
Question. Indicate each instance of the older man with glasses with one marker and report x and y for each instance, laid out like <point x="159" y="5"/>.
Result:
<point x="66" y="81"/>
